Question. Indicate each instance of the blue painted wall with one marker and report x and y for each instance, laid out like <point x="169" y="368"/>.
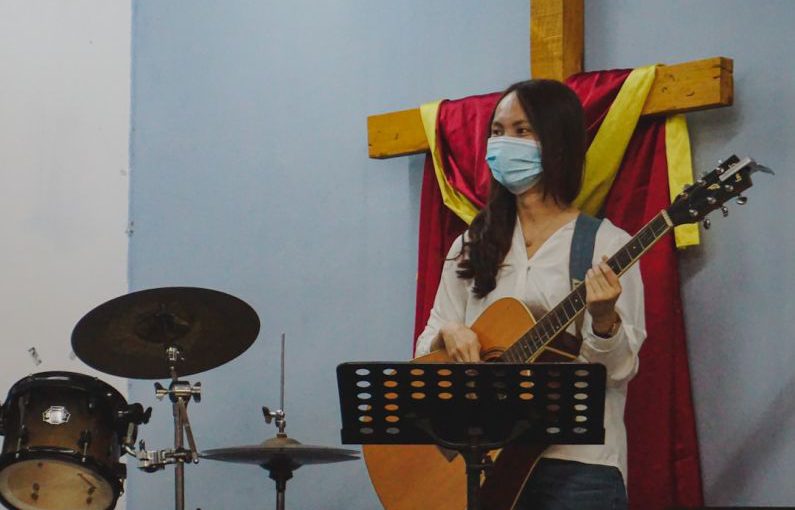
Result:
<point x="250" y="175"/>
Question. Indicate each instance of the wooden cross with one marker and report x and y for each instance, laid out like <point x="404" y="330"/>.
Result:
<point x="556" y="44"/>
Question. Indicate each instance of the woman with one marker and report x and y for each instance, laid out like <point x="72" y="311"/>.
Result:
<point x="519" y="246"/>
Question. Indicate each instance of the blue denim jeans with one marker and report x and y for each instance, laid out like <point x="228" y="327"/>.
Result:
<point x="566" y="485"/>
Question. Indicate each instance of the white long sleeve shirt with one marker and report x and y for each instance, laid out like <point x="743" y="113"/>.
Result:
<point x="541" y="282"/>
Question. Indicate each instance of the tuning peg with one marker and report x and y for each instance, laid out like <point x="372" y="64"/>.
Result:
<point x="693" y="213"/>
<point x="742" y="200"/>
<point x="712" y="200"/>
<point x="707" y="224"/>
<point x="728" y="188"/>
<point x="724" y="210"/>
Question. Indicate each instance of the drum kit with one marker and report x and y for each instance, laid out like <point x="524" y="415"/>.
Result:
<point x="65" y="432"/>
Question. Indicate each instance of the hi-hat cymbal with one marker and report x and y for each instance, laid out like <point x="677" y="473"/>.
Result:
<point x="128" y="336"/>
<point x="280" y="450"/>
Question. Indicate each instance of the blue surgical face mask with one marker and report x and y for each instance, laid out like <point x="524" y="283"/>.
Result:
<point x="514" y="162"/>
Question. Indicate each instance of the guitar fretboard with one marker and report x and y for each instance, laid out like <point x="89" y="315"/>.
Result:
<point x="559" y="318"/>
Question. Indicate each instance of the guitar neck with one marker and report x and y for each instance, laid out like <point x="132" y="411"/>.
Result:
<point x="558" y="319"/>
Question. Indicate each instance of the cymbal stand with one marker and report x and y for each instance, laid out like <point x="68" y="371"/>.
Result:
<point x="280" y="470"/>
<point x="180" y="393"/>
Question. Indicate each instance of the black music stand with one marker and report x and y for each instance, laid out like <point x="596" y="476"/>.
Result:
<point x="471" y="407"/>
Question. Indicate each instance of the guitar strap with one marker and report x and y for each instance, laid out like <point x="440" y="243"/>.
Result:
<point x="581" y="254"/>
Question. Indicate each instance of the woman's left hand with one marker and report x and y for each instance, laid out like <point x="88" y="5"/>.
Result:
<point x="602" y="289"/>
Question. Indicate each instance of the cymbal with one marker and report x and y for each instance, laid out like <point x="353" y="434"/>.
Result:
<point x="279" y="450"/>
<point x="128" y="335"/>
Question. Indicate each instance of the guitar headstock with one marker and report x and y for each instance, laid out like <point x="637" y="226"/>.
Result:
<point x="728" y="180"/>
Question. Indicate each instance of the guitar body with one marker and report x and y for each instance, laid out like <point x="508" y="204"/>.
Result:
<point x="412" y="477"/>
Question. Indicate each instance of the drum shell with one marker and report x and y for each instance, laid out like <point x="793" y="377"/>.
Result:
<point x="88" y="411"/>
<point x="93" y="407"/>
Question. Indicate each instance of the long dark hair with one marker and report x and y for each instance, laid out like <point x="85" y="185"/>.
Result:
<point x="556" y="115"/>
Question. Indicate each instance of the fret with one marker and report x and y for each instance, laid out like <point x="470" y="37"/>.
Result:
<point x="571" y="310"/>
<point x="523" y="348"/>
<point x="561" y="315"/>
<point x="614" y="265"/>
<point x="647" y="237"/>
<point x="635" y="249"/>
<point x="544" y="332"/>
<point x="623" y="257"/>
<point x="659" y="225"/>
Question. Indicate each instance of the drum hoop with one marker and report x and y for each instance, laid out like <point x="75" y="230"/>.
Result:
<point x="71" y="380"/>
<point x="50" y="453"/>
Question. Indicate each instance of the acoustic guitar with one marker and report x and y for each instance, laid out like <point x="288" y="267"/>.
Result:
<point x="424" y="477"/>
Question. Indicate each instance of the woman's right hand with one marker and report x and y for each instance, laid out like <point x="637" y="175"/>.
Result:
<point x="460" y="342"/>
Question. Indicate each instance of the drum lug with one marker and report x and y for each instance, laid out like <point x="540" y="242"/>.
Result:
<point x="22" y="439"/>
<point x="84" y="442"/>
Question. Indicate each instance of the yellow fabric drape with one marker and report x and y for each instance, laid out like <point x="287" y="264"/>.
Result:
<point x="680" y="172"/>
<point x="608" y="146"/>
<point x="455" y="201"/>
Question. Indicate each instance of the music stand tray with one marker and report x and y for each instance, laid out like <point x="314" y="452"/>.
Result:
<point x="471" y="407"/>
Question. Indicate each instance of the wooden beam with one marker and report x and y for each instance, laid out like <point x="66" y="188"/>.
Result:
<point x="696" y="85"/>
<point x="390" y="135"/>
<point x="556" y="38"/>
<point x="679" y="88"/>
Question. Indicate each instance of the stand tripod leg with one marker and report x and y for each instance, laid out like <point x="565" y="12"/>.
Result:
<point x="179" y="467"/>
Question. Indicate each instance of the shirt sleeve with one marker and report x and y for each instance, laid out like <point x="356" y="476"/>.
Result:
<point x="450" y="302"/>
<point x="619" y="353"/>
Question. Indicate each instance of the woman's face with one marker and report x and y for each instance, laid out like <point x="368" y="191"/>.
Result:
<point x="510" y="119"/>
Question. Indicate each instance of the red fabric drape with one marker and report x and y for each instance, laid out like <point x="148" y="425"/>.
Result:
<point x="664" y="465"/>
<point x="663" y="451"/>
